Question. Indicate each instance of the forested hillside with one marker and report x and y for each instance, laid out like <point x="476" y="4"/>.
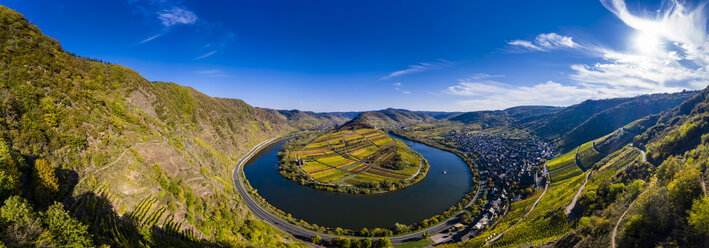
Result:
<point x="388" y="117"/>
<point x="93" y="154"/>
<point x="626" y="197"/>
<point x="571" y="126"/>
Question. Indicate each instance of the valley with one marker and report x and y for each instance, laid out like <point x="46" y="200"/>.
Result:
<point x="92" y="154"/>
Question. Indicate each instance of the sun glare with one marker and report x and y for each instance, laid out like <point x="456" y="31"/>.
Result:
<point x="647" y="42"/>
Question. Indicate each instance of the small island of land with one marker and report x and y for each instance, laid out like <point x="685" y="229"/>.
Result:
<point x="354" y="159"/>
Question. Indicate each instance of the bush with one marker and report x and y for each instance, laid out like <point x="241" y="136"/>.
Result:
<point x="316" y="239"/>
<point x="341" y="242"/>
<point x="383" y="242"/>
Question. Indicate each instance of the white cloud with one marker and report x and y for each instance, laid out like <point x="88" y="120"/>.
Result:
<point x="150" y="38"/>
<point x="480" y="76"/>
<point x="490" y="95"/>
<point x="546" y="42"/>
<point x="525" y="44"/>
<point x="553" y="40"/>
<point x="206" y="55"/>
<point x="176" y="15"/>
<point x="425" y="66"/>
<point x="669" y="52"/>
<point x="397" y="87"/>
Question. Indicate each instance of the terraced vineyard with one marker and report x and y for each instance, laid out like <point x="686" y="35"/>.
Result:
<point x="361" y="157"/>
<point x="588" y="155"/>
<point x="564" y="167"/>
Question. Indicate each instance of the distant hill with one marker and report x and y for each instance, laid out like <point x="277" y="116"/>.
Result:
<point x="440" y="115"/>
<point x="306" y="118"/>
<point x="348" y="115"/>
<point x="385" y="118"/>
<point x="572" y="126"/>
<point x="508" y="116"/>
<point x="617" y="116"/>
<point x="592" y="119"/>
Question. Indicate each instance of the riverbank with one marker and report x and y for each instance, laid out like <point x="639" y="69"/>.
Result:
<point x="280" y="219"/>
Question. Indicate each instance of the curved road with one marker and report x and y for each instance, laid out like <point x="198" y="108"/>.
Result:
<point x="305" y="234"/>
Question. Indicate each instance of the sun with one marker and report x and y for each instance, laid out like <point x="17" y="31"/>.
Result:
<point x="647" y="42"/>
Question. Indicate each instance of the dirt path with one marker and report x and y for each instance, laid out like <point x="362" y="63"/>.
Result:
<point x="704" y="185"/>
<point x="571" y="206"/>
<point x="419" y="171"/>
<point x="615" y="229"/>
<point x="118" y="159"/>
<point x="546" y="187"/>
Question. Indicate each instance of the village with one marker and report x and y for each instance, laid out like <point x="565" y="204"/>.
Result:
<point x="511" y="168"/>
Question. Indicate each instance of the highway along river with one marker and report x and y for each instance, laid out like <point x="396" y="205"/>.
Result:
<point x="435" y="194"/>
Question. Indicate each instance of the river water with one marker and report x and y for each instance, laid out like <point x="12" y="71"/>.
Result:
<point x="435" y="194"/>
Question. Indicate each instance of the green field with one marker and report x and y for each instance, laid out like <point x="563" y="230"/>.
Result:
<point x="356" y="157"/>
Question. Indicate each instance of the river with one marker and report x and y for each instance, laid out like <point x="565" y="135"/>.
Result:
<point x="435" y="194"/>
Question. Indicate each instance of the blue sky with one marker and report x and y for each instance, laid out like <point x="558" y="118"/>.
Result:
<point x="419" y="55"/>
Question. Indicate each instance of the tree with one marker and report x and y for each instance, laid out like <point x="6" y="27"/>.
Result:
<point x="341" y="242"/>
<point x="699" y="216"/>
<point x="46" y="176"/>
<point x="9" y="172"/>
<point x="316" y="239"/>
<point x="426" y="235"/>
<point x="15" y="209"/>
<point x="383" y="242"/>
<point x="685" y="188"/>
<point x="67" y="231"/>
<point x="339" y="231"/>
<point x="365" y="243"/>
<point x="8" y="184"/>
<point x="364" y="232"/>
<point x="401" y="228"/>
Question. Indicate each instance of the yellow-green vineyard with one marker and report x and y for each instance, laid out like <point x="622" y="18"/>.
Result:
<point x="363" y="158"/>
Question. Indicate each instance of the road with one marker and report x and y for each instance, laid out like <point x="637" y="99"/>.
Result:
<point x="305" y="234"/>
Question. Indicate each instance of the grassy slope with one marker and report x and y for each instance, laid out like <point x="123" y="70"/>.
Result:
<point x="129" y="137"/>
